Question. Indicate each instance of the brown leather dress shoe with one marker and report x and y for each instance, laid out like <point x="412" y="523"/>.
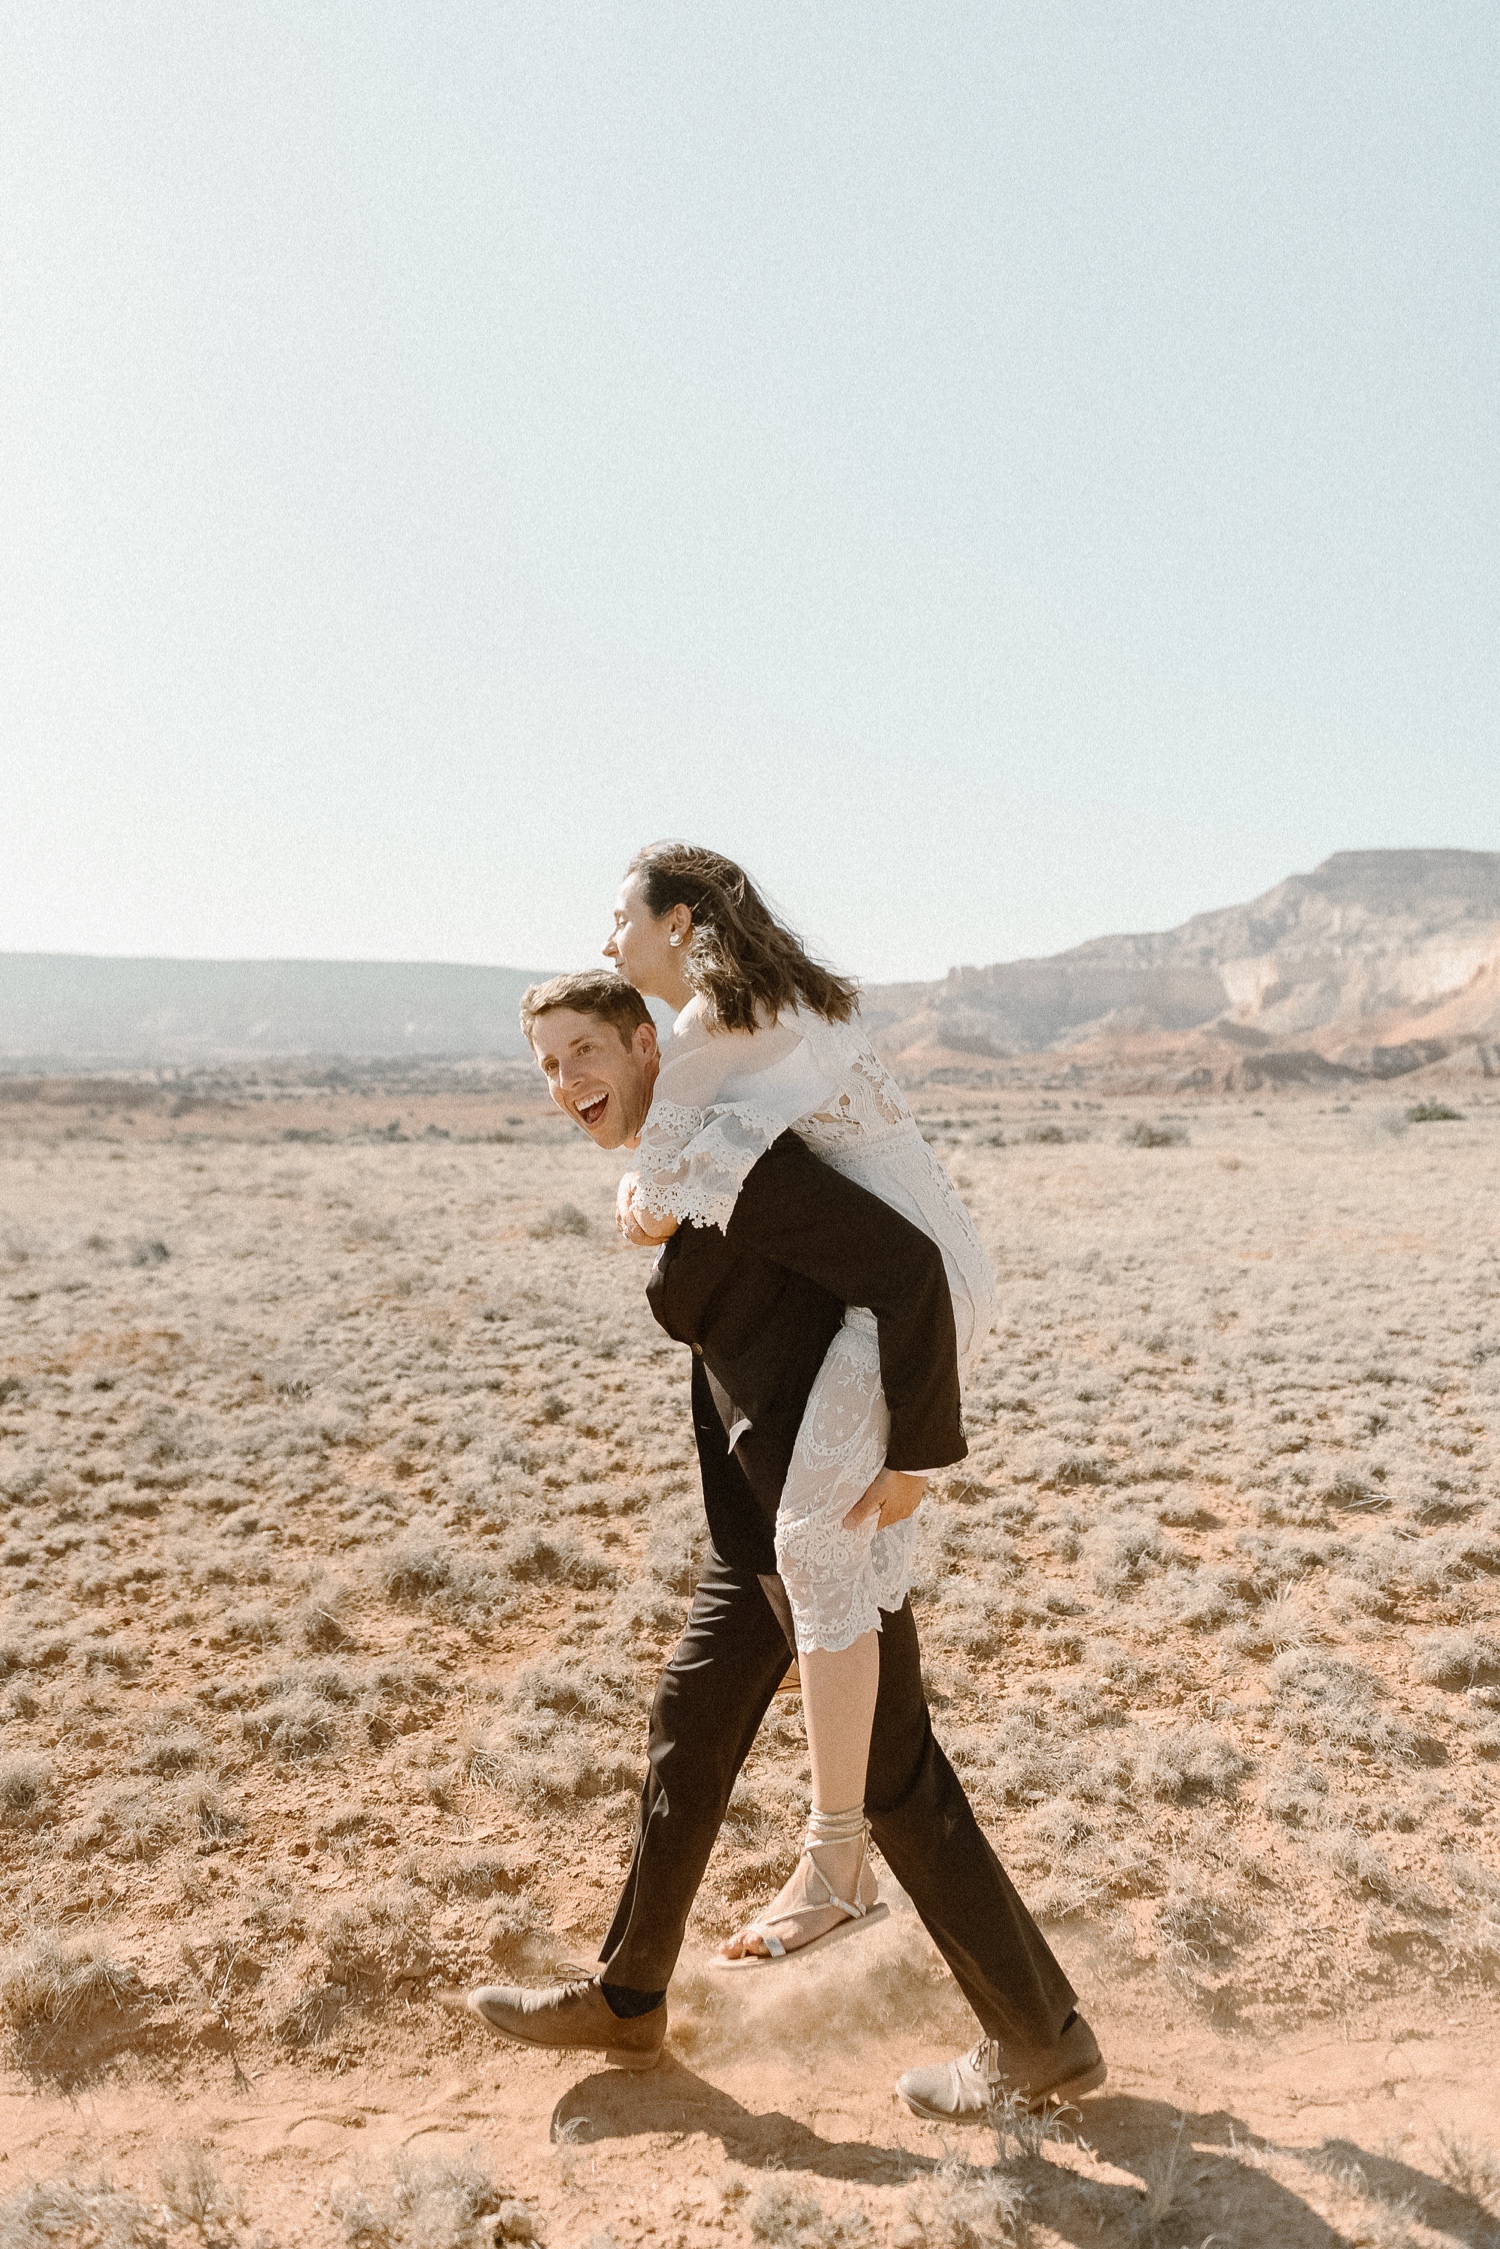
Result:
<point x="566" y="2015"/>
<point x="967" y="2091"/>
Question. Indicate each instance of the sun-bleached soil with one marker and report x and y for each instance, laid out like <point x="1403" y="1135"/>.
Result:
<point x="347" y="1510"/>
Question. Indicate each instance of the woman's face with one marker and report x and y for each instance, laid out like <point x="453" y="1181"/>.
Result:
<point x="641" y="947"/>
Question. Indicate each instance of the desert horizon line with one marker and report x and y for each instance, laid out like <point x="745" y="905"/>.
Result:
<point x="509" y="968"/>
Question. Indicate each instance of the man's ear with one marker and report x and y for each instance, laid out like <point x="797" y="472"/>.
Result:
<point x="645" y="1043"/>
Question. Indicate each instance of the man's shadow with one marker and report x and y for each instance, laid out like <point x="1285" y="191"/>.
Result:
<point x="614" y="2104"/>
<point x="1241" y="2204"/>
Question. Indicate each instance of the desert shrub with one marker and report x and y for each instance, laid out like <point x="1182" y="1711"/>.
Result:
<point x="294" y="1725"/>
<point x="1324" y="1699"/>
<point x="1433" y="1112"/>
<point x="128" y="1823"/>
<point x="975" y="1619"/>
<point x="431" y="2202"/>
<point x="1458" y="1658"/>
<point x="1075" y="1471"/>
<point x="26" y="1785"/>
<point x="106" y="1655"/>
<point x="320" y="1623"/>
<point x="563" y="1218"/>
<point x="381" y="1939"/>
<point x="535" y="1556"/>
<point x="1348" y="1490"/>
<point x="1195" y="1926"/>
<point x="783" y="2212"/>
<point x="1365" y="1867"/>
<point x="1144" y="1135"/>
<point x="253" y="1624"/>
<point x="1187" y="1761"/>
<point x="78" y="2214"/>
<point x="544" y="1759"/>
<point x="1122" y="1549"/>
<point x="1472" y="2169"/>
<point x="423" y="1568"/>
<point x="646" y="1606"/>
<point x="971" y="2206"/>
<point x="1201" y="1599"/>
<point x="606" y="1688"/>
<point x="510" y="1924"/>
<point x="192" y="2189"/>
<point x="56" y="1985"/>
<point x="206" y="1808"/>
<point x="464" y="1874"/>
<point x="177" y="1750"/>
<point x="1297" y="1794"/>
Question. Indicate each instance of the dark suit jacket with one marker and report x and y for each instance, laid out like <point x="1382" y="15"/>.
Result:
<point x="760" y="1303"/>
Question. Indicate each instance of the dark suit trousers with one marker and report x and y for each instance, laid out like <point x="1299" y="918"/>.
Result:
<point x="710" y="1700"/>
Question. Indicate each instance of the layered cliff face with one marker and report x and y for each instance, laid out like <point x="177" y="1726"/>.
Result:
<point x="1377" y="961"/>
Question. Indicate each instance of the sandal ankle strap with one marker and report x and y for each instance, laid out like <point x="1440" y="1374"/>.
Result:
<point x="849" y="1826"/>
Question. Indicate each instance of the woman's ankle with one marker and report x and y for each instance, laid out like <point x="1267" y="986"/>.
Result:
<point x="839" y="1864"/>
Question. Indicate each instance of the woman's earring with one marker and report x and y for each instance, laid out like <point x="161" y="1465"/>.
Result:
<point x="674" y="939"/>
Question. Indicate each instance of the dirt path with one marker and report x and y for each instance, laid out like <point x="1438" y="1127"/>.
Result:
<point x="759" y="2125"/>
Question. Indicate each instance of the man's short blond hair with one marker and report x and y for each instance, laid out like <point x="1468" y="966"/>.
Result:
<point x="593" y="991"/>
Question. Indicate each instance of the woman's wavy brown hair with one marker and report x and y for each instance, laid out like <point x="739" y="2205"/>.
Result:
<point x="746" y="964"/>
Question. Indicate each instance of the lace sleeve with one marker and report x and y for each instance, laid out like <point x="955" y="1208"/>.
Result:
<point x="693" y="1162"/>
<point x="720" y="1101"/>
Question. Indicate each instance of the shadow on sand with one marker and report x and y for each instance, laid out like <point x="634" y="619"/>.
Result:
<point x="1222" y="2187"/>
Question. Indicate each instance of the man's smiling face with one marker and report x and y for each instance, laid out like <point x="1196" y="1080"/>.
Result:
<point x="600" y="1079"/>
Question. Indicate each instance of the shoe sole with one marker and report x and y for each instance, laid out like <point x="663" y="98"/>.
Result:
<point x="801" y="1951"/>
<point x="1056" y="2096"/>
<point x="617" y="2057"/>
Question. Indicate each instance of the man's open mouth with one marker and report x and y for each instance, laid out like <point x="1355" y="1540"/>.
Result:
<point x="592" y="1112"/>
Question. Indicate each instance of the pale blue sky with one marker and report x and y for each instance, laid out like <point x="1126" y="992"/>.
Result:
<point x="1005" y="472"/>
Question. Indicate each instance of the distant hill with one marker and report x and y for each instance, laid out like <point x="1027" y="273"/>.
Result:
<point x="85" y="1011"/>
<point x="1376" y="963"/>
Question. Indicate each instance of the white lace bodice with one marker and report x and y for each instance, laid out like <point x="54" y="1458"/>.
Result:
<point x="723" y="1096"/>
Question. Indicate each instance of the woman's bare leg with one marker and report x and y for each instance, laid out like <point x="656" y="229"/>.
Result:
<point x="840" y="1447"/>
<point x="838" y="1704"/>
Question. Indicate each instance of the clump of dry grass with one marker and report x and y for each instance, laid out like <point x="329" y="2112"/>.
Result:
<point x="53" y="1989"/>
<point x="76" y="2213"/>
<point x="423" y="1569"/>
<point x="784" y="2212"/>
<point x="294" y="1724"/>
<point x="561" y="1219"/>
<point x="1471" y="2167"/>
<point x="194" y="2190"/>
<point x="533" y="1556"/>
<point x="1459" y="1658"/>
<point x="126" y="1822"/>
<point x="27" y="1785"/>
<point x="380" y="1941"/>
<point x="545" y="1760"/>
<point x="431" y="2202"/>
<point x="1332" y="1703"/>
<point x="1189" y="1762"/>
<point x="175" y="1749"/>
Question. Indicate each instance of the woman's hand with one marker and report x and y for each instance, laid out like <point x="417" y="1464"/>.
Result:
<point x="642" y="1227"/>
<point x="891" y="1498"/>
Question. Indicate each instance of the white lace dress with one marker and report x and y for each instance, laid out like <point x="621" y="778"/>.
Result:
<point x="721" y="1099"/>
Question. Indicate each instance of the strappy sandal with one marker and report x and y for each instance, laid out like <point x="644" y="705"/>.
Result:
<point x="822" y="1827"/>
